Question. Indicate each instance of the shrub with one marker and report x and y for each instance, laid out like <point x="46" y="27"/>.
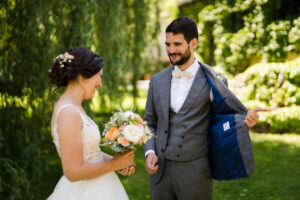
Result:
<point x="271" y="84"/>
<point x="239" y="33"/>
<point x="280" y="121"/>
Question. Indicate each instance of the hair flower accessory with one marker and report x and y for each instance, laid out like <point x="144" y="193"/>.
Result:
<point x="63" y="58"/>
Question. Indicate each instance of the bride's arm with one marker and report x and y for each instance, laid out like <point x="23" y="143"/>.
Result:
<point x="71" y="150"/>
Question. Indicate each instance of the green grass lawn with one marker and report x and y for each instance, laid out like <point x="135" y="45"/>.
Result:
<point x="276" y="175"/>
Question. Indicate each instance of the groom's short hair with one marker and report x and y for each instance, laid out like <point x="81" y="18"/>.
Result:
<point x="184" y="25"/>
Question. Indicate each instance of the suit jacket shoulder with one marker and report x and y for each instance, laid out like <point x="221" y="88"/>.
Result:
<point x="162" y="74"/>
<point x="219" y="86"/>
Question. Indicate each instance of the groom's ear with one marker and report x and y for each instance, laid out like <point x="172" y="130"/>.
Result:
<point x="194" y="43"/>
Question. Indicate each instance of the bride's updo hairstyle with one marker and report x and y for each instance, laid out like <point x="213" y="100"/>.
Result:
<point x="72" y="63"/>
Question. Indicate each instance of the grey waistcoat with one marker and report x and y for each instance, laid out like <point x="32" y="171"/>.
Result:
<point x="187" y="138"/>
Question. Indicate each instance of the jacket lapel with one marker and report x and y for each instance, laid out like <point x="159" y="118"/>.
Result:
<point x="165" y="87"/>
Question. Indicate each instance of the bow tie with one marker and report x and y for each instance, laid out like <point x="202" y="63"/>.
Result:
<point x="179" y="74"/>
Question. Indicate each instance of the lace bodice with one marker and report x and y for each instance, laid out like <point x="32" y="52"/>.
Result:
<point x="90" y="135"/>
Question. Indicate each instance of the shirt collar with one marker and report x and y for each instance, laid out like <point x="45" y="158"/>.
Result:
<point x="193" y="68"/>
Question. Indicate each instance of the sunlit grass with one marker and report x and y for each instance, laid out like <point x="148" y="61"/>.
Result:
<point x="291" y="138"/>
<point x="276" y="175"/>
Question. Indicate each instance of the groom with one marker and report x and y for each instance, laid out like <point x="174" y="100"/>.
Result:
<point x="178" y="108"/>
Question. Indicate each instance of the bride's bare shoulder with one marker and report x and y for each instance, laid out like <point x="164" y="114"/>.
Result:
<point x="69" y="120"/>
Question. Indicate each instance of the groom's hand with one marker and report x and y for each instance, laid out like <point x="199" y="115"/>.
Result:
<point x="151" y="163"/>
<point x="252" y="116"/>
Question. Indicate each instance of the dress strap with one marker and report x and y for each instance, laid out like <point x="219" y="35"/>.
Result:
<point x="64" y="106"/>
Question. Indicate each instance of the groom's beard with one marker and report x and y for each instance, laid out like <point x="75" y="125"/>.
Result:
<point x="183" y="58"/>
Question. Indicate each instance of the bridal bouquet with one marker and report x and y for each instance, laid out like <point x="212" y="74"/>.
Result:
<point x="125" y="131"/>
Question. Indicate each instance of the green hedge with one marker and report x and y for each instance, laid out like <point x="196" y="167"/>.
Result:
<point x="270" y="84"/>
<point x="282" y="120"/>
<point x="236" y="34"/>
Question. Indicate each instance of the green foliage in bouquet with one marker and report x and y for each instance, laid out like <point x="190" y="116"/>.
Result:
<point x="282" y="120"/>
<point x="119" y="149"/>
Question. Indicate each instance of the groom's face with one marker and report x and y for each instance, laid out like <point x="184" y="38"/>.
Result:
<point x="177" y="48"/>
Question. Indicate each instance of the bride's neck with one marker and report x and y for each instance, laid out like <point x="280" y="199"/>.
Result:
<point x="73" y="94"/>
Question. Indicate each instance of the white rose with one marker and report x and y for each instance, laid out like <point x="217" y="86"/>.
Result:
<point x="133" y="133"/>
<point x="125" y="115"/>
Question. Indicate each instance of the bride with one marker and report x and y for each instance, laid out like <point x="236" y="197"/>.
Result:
<point x="88" y="173"/>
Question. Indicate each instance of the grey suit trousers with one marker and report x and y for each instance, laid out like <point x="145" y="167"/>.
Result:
<point x="190" y="180"/>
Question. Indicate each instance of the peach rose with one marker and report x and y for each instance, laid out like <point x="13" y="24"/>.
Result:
<point x="112" y="134"/>
<point x="143" y="139"/>
<point x="123" y="142"/>
<point x="122" y="127"/>
<point x="69" y="56"/>
<point x="138" y="119"/>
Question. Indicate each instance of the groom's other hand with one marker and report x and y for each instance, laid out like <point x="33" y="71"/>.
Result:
<point x="151" y="163"/>
<point x="252" y="116"/>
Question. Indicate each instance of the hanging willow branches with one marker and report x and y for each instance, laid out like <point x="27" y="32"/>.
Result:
<point x="32" y="33"/>
<point x="124" y="31"/>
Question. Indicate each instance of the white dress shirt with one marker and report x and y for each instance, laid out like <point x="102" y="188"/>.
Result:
<point x="180" y="88"/>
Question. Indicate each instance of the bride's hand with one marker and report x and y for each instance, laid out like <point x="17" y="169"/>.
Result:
<point x="127" y="171"/>
<point x="124" y="160"/>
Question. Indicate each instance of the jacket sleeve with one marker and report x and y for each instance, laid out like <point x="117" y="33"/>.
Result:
<point x="151" y="118"/>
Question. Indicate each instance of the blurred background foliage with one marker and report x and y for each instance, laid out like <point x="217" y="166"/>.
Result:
<point x="238" y="33"/>
<point x="274" y="85"/>
<point x="33" y="32"/>
<point x="255" y="43"/>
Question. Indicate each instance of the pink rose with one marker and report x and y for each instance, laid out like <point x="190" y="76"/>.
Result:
<point x="123" y="142"/>
<point x="122" y="127"/>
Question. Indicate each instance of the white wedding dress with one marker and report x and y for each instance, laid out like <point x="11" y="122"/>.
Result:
<point x="105" y="187"/>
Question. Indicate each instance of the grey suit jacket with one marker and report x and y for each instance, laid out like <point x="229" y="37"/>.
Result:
<point x="157" y="114"/>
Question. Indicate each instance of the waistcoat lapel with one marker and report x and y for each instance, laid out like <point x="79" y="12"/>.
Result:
<point x="195" y="91"/>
